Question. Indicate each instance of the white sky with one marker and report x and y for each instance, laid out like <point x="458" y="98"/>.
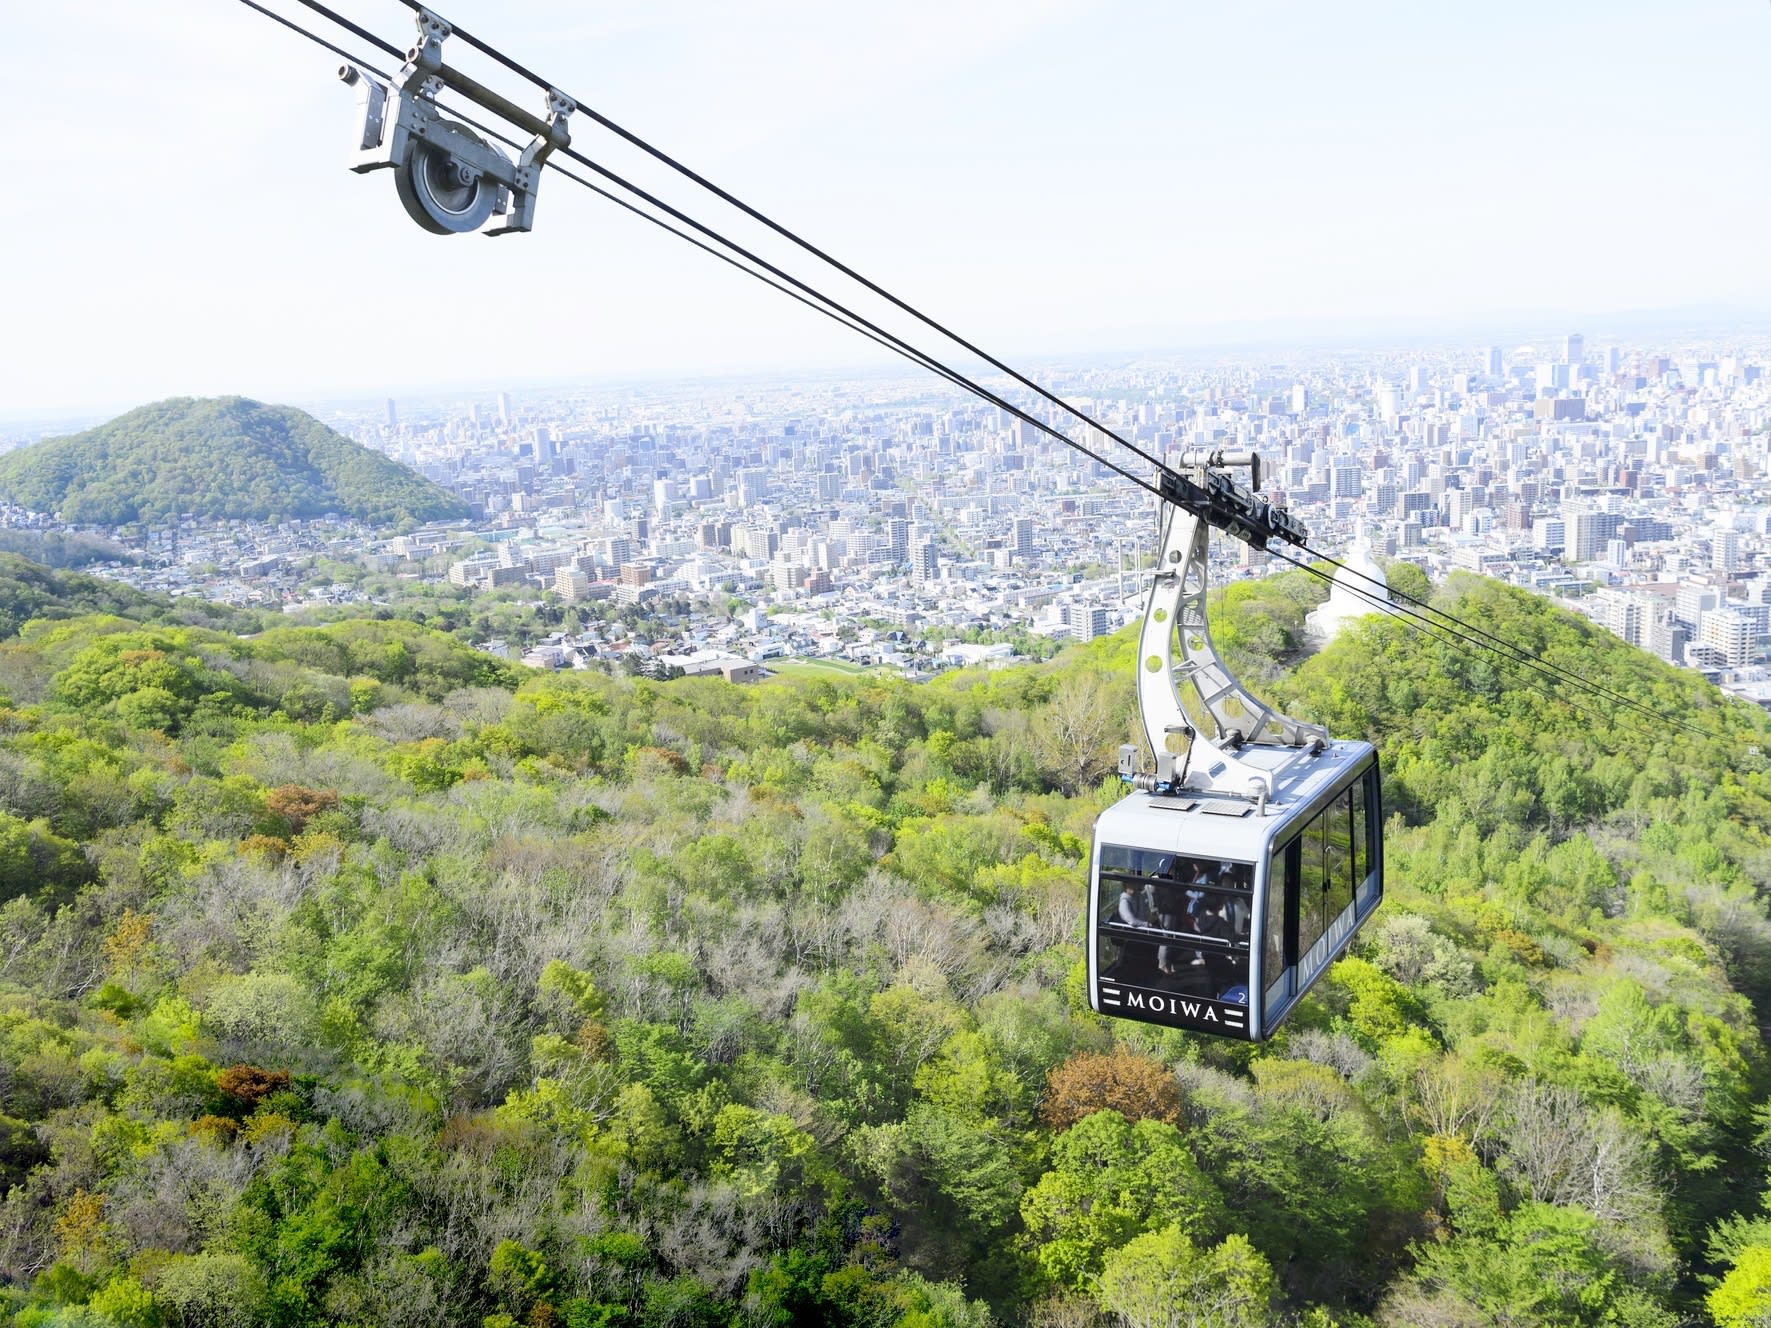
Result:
<point x="1048" y="175"/>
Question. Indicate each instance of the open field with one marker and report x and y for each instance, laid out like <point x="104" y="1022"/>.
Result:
<point x="805" y="668"/>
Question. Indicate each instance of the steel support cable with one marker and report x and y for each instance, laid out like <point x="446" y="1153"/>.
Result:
<point x="385" y="47"/>
<point x="317" y="40"/>
<point x="837" y="313"/>
<point x="1474" y="648"/>
<point x="702" y="245"/>
<point x="1464" y="632"/>
<point x="855" y="320"/>
<point x="1500" y="643"/>
<point x="658" y="154"/>
<point x="904" y="347"/>
<point x="1445" y="636"/>
<point x="1460" y="643"/>
<point x="726" y="196"/>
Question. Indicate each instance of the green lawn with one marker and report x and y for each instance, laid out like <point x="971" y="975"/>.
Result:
<point x="806" y="668"/>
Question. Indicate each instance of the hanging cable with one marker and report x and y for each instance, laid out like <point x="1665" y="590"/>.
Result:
<point x="332" y="15"/>
<point x="1451" y="627"/>
<point x="319" y="41"/>
<point x="1475" y="647"/>
<point x="725" y="196"/>
<point x="836" y="311"/>
<point x="1499" y="642"/>
<point x="1471" y="650"/>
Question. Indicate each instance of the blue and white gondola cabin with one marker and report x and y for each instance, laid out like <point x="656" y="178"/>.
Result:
<point x="1216" y="913"/>
<point x="1226" y="881"/>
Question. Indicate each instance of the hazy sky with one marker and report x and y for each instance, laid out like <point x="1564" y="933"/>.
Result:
<point x="1048" y="175"/>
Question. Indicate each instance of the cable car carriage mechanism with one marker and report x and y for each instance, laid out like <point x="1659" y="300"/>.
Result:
<point x="1226" y="881"/>
<point x="450" y="179"/>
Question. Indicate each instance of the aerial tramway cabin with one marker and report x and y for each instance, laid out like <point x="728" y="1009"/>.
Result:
<point x="1217" y="913"/>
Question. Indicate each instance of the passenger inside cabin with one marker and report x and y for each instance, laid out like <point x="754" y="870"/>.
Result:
<point x="1198" y="883"/>
<point x="1168" y="902"/>
<point x="1207" y="921"/>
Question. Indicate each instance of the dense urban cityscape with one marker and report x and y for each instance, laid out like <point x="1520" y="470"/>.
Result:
<point x="888" y="521"/>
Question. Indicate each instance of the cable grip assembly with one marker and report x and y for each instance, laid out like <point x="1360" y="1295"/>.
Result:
<point x="449" y="178"/>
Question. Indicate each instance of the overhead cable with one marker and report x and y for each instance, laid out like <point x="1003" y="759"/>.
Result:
<point x="522" y="71"/>
<point x="808" y="295"/>
<point x="726" y="196"/>
<point x="836" y="311"/>
<point x="1475" y="647"/>
<point x="1501" y="644"/>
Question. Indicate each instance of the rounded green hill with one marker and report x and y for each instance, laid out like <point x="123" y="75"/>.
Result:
<point x="217" y="457"/>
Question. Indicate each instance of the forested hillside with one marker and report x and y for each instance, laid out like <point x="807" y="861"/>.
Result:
<point x="31" y="591"/>
<point x="216" y="458"/>
<point x="349" y="977"/>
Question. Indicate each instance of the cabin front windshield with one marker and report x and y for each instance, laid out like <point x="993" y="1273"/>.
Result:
<point x="1175" y="923"/>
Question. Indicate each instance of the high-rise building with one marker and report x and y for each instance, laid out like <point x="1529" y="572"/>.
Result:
<point x="1666" y="636"/>
<point x="393" y="416"/>
<point x="1493" y="366"/>
<point x="1085" y="622"/>
<point x="504" y="409"/>
<point x="1588" y="533"/>
<point x="1730" y="634"/>
<point x="753" y="486"/>
<point x="1725" y="551"/>
<point x="925" y="562"/>
<point x="1573" y="348"/>
<point x="1023" y="530"/>
<point x="1624" y="614"/>
<point x="1460" y="504"/>
<point x="1695" y="599"/>
<point x="898" y="539"/>
<point x="571" y="583"/>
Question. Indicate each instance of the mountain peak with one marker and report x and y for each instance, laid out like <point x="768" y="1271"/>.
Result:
<point x="216" y="458"/>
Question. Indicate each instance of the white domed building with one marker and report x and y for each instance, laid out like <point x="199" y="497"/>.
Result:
<point x="1352" y="594"/>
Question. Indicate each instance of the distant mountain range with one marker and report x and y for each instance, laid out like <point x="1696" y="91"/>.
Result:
<point x="217" y="457"/>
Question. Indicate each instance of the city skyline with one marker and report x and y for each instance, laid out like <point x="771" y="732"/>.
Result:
<point x="1252" y="177"/>
<point x="1630" y="481"/>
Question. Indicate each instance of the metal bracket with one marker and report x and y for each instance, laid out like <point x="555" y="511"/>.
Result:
<point x="450" y="179"/>
<point x="1192" y="700"/>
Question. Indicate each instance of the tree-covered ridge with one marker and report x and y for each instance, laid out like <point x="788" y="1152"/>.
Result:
<point x="348" y="977"/>
<point x="30" y="591"/>
<point x="216" y="458"/>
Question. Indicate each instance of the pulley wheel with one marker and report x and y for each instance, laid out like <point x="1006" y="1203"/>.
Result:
<point x="440" y="194"/>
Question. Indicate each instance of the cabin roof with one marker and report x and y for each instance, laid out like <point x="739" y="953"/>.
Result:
<point x="1207" y="825"/>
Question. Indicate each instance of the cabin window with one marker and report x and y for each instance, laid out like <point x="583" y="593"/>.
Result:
<point x="1367" y="816"/>
<point x="1278" y="955"/>
<point x="1363" y="864"/>
<point x="1175" y="923"/>
<point x="1338" y="878"/>
<point x="1312" y="884"/>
